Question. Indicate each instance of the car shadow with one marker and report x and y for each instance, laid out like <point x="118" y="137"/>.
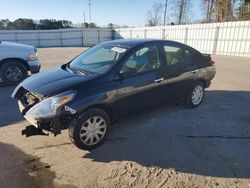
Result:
<point x="19" y="169"/>
<point x="9" y="112"/>
<point x="211" y="140"/>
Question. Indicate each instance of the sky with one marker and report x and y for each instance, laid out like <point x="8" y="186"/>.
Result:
<point x="121" y="12"/>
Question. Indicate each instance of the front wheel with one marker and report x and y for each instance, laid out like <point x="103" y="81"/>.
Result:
<point x="196" y="97"/>
<point x="90" y="130"/>
<point x="13" y="72"/>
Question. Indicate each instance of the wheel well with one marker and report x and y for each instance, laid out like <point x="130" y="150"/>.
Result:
<point x="203" y="81"/>
<point x="104" y="108"/>
<point x="25" y="63"/>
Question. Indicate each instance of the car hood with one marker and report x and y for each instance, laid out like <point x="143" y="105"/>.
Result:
<point x="53" y="82"/>
<point x="15" y="45"/>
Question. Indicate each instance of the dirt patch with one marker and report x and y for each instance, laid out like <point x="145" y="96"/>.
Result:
<point x="21" y="170"/>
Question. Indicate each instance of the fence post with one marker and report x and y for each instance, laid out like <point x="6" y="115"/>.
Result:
<point x="245" y="51"/>
<point x="215" y="40"/>
<point x="119" y="32"/>
<point x="112" y="34"/>
<point x="186" y="36"/>
<point x="82" y="37"/>
<point x="163" y="33"/>
<point x="38" y="38"/>
<point x="145" y="33"/>
<point x="15" y="34"/>
<point x="61" y="39"/>
<point x="130" y="33"/>
<point x="98" y="34"/>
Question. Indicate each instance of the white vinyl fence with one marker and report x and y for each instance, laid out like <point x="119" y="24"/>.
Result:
<point x="58" y="38"/>
<point x="228" y="38"/>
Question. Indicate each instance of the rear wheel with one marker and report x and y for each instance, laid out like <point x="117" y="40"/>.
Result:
<point x="13" y="72"/>
<point x="195" y="98"/>
<point x="90" y="129"/>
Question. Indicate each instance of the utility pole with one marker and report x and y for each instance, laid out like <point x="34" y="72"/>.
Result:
<point x="165" y="12"/>
<point x="84" y="18"/>
<point x="89" y="11"/>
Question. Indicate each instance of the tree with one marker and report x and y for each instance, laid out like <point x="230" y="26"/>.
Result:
<point x="183" y="7"/>
<point x="89" y="25"/>
<point x="181" y="11"/>
<point x="92" y="25"/>
<point x="243" y="13"/>
<point x="54" y="24"/>
<point x="153" y="15"/>
<point x="223" y="10"/>
<point x="66" y="24"/>
<point x="4" y="24"/>
<point x="110" y="26"/>
<point x="85" y="25"/>
<point x="210" y="9"/>
<point x="29" y="24"/>
<point x="22" y="24"/>
<point x="48" y="24"/>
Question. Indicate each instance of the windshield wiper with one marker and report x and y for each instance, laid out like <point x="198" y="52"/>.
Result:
<point x="76" y="70"/>
<point x="80" y="71"/>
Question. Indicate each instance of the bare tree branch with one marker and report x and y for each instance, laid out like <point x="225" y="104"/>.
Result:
<point x="183" y="11"/>
<point x="154" y="15"/>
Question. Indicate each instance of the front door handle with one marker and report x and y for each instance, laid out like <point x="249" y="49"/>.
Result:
<point x="159" y="80"/>
<point x="195" y="71"/>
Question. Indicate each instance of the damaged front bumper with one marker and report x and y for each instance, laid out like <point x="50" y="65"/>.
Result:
<point x="51" y="124"/>
<point x="30" y="104"/>
<point x="29" y="118"/>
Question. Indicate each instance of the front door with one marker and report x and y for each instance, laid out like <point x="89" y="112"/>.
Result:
<point x="141" y="87"/>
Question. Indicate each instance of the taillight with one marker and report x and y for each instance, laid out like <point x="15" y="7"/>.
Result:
<point x="211" y="62"/>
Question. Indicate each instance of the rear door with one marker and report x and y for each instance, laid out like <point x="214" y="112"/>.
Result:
<point x="143" y="89"/>
<point x="180" y="71"/>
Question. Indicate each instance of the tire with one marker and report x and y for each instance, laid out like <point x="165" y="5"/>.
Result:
<point x="82" y="130"/>
<point x="13" y="72"/>
<point x="196" y="96"/>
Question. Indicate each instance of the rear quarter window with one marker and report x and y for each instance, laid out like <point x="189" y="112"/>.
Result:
<point x="178" y="55"/>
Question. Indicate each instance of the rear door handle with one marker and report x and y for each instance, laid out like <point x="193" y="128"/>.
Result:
<point x="195" y="71"/>
<point x="159" y="80"/>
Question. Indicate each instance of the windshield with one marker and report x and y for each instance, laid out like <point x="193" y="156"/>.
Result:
<point x="98" y="59"/>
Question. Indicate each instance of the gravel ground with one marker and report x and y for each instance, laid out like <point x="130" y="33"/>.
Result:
<point x="171" y="147"/>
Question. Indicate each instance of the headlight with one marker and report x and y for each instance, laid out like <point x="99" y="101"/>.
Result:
<point x="32" y="57"/>
<point x="49" y="106"/>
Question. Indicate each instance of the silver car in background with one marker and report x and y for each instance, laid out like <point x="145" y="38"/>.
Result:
<point x="16" y="60"/>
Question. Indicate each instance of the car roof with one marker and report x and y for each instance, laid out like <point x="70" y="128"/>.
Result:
<point x="135" y="42"/>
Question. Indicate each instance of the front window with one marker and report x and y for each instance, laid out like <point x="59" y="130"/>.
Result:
<point x="98" y="59"/>
<point x="143" y="60"/>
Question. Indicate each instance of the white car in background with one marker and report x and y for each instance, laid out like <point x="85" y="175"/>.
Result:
<point x="16" y="60"/>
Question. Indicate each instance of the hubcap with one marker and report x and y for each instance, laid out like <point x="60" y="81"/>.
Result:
<point x="93" y="130"/>
<point x="197" y="95"/>
<point x="13" y="73"/>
